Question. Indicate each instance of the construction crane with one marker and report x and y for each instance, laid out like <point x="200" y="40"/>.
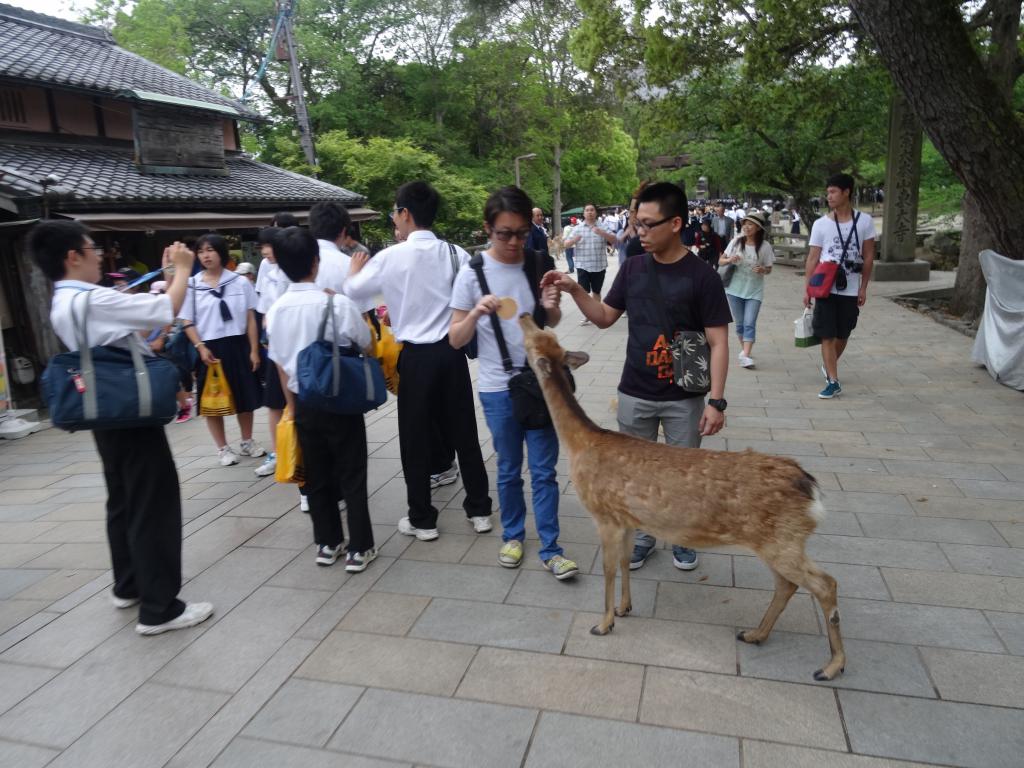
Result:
<point x="282" y="48"/>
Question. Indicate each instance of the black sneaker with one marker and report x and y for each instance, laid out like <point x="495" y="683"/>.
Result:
<point x="327" y="555"/>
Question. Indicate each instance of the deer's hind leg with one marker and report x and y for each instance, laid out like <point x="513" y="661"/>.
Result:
<point x="610" y="548"/>
<point x="784" y="589"/>
<point x="625" y="553"/>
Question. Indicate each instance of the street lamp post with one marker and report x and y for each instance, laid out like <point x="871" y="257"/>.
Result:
<point x="522" y="157"/>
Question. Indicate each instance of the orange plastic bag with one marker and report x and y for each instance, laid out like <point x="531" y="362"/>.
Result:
<point x="386" y="349"/>
<point x="289" y="453"/>
<point x="216" y="398"/>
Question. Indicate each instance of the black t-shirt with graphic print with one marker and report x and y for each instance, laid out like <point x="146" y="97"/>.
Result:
<point x="694" y="300"/>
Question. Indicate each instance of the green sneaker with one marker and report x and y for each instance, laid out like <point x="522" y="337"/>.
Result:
<point x="511" y="554"/>
<point x="562" y="567"/>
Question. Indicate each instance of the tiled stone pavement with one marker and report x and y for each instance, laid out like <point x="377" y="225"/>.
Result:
<point x="436" y="656"/>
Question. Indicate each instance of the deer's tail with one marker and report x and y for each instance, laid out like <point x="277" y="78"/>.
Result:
<point x="808" y="486"/>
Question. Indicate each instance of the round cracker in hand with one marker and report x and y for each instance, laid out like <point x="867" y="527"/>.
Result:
<point x="507" y="308"/>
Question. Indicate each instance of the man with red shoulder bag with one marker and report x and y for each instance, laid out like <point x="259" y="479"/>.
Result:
<point x="839" y="263"/>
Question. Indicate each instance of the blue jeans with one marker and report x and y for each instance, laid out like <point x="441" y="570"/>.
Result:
<point x="744" y="314"/>
<point x="542" y="452"/>
<point x="569" y="253"/>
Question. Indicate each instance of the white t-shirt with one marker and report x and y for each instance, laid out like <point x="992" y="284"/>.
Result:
<point x="503" y="280"/>
<point x="203" y="308"/>
<point x="333" y="272"/>
<point x="271" y="283"/>
<point x="114" y="317"/>
<point x="415" y="278"/>
<point x="293" y="323"/>
<point x="824" y="235"/>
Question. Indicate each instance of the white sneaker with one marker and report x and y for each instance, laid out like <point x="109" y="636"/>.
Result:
<point x="747" y="362"/>
<point x="268" y="467"/>
<point x="584" y="321"/>
<point x="194" y="613"/>
<point x="122" y="602"/>
<point x="423" y="534"/>
<point x="447" y="477"/>
<point x="326" y="555"/>
<point x="227" y="456"/>
<point x="481" y="524"/>
<point x="303" y="503"/>
<point x="250" y="448"/>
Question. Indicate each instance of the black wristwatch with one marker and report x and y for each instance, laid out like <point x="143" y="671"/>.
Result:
<point x="719" y="404"/>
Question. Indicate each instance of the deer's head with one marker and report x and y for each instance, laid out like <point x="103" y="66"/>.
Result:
<point x="543" y="352"/>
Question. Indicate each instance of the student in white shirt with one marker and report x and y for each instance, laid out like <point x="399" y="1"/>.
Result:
<point x="143" y="497"/>
<point x="221" y="306"/>
<point x="271" y="282"/>
<point x="416" y="279"/>
<point x="333" y="445"/>
<point x="509" y="269"/>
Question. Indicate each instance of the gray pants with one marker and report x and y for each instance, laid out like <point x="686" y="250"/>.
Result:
<point x="679" y="418"/>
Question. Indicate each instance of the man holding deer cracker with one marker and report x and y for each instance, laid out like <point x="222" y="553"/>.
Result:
<point x="678" y="346"/>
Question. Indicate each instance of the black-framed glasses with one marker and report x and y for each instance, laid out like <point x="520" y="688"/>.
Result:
<point x="504" y="235"/>
<point x="394" y="212"/>
<point x="642" y="226"/>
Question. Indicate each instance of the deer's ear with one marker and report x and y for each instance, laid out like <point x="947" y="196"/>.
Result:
<point x="543" y="365"/>
<point x="575" y="359"/>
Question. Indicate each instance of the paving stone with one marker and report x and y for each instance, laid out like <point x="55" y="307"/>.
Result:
<point x="585" y="741"/>
<point x="991" y="489"/>
<point x="867" y="551"/>
<point x="24" y="755"/>
<point x="387" y="614"/>
<point x="738" y="608"/>
<point x="327" y="617"/>
<point x="1010" y="627"/>
<point x="437" y="731"/>
<point x="970" y="509"/>
<point x="1012" y="532"/>
<point x="585" y="593"/>
<point x="871" y="666"/>
<point x="930" y="529"/>
<point x="713" y="569"/>
<point x="922" y="486"/>
<point x="304" y="573"/>
<point x="980" y="678"/>
<point x="144" y="730"/>
<point x="469" y="582"/>
<point x="232" y="579"/>
<point x="21" y="532"/>
<point x="762" y="754"/>
<point x="449" y="548"/>
<point x="877" y="503"/>
<point x="19" y="682"/>
<point x="759" y="709"/>
<point x="16" y="580"/>
<point x="15" y="555"/>
<point x="304" y="712"/>
<point x="854" y="580"/>
<point x="991" y="561"/>
<point x="94" y="555"/>
<point x="896" y="622"/>
<point x="250" y="753"/>
<point x="292" y="531"/>
<point x="963" y="590"/>
<point x="220" y="729"/>
<point x="484" y="551"/>
<point x="212" y="542"/>
<point x="273" y="502"/>
<point x="581" y="686"/>
<point x="402" y="663"/>
<point x="504" y="626"/>
<point x="241" y="642"/>
<point x="952" y="470"/>
<point x="967" y="735"/>
<point x="681" y="645"/>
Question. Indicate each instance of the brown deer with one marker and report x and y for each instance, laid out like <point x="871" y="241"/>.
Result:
<point x="686" y="496"/>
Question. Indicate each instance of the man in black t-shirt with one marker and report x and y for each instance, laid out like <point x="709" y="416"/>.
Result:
<point x="694" y="301"/>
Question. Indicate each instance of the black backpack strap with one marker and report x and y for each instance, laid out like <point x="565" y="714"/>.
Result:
<point x="477" y="265"/>
<point x="659" y="298"/>
<point x="534" y="268"/>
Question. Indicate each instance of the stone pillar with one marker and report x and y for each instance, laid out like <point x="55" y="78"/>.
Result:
<point x="902" y="180"/>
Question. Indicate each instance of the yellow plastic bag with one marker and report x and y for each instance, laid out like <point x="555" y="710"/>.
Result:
<point x="386" y="349"/>
<point x="289" y="454"/>
<point x="216" y="398"/>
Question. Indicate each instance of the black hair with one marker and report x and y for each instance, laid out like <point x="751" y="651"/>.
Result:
<point x="508" y="200"/>
<point x="268" y="235"/>
<point x="284" y="219"/>
<point x="841" y="180"/>
<point x="50" y="241"/>
<point x="296" y="252"/>
<point x="328" y="220"/>
<point x="355" y="231"/>
<point x="218" y="243"/>
<point x="421" y="200"/>
<point x="671" y="198"/>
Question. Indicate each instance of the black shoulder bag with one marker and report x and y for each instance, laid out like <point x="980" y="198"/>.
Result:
<point x="528" y="404"/>
<point x="691" y="355"/>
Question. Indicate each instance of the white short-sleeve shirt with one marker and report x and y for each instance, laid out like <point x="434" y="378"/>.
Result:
<point x="115" y="318"/>
<point x="826" y="235"/>
<point x="293" y="323"/>
<point x="202" y="307"/>
<point x="271" y="283"/>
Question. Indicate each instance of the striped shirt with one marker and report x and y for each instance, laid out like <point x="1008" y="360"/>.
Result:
<point x="591" y="251"/>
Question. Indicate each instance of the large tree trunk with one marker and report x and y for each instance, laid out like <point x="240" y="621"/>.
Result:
<point x="969" y="294"/>
<point x="965" y="111"/>
<point x="556" y="190"/>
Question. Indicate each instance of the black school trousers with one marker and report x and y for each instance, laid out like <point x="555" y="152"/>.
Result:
<point x="434" y="391"/>
<point x="143" y="519"/>
<point x="334" y="459"/>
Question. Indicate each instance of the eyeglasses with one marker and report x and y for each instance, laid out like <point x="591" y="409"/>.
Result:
<point x="395" y="211"/>
<point x="507" y="234"/>
<point x="97" y="249"/>
<point x="642" y="226"/>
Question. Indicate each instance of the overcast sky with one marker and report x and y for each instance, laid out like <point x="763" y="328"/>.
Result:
<point x="62" y="8"/>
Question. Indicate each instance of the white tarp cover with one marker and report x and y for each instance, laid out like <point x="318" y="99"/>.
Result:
<point x="999" y="345"/>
